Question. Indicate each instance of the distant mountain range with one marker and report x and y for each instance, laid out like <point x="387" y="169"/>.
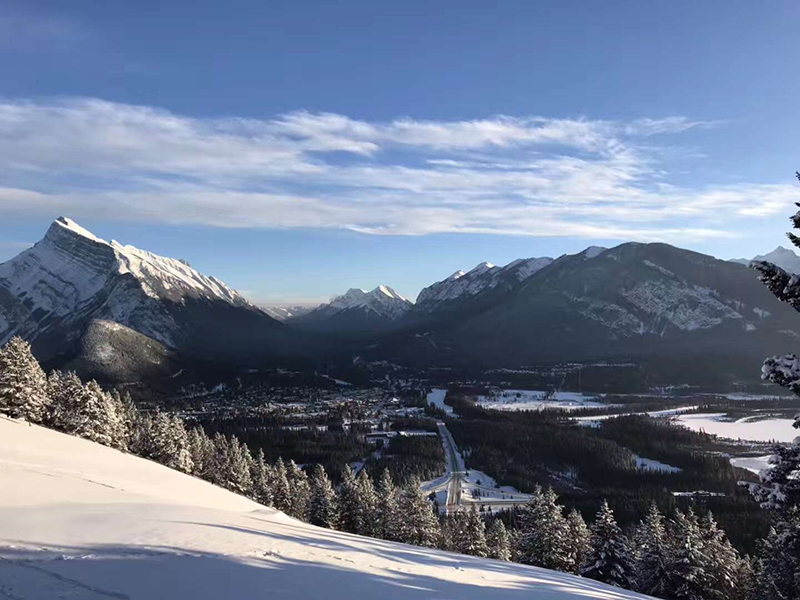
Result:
<point x="120" y="313"/>
<point x="781" y="257"/>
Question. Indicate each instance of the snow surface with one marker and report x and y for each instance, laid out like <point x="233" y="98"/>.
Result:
<point x="82" y="521"/>
<point x="754" y="464"/>
<point x="514" y="400"/>
<point x="648" y="464"/>
<point x="767" y="430"/>
<point x="436" y="398"/>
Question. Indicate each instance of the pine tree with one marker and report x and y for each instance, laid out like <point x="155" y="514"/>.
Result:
<point x="281" y="492"/>
<point x="299" y="491"/>
<point x="322" y="507"/>
<point x="66" y="391"/>
<point x="350" y="520"/>
<point x="609" y="559"/>
<point x="687" y="576"/>
<point x="579" y="536"/>
<point x="260" y="476"/>
<point x="777" y="572"/>
<point x="723" y="559"/>
<point x="368" y="505"/>
<point x="23" y="384"/>
<point x="201" y="449"/>
<point x="418" y="523"/>
<point x="545" y="540"/>
<point x="388" y="512"/>
<point x="218" y="470"/>
<point x="652" y="552"/>
<point x="95" y="421"/>
<point x="473" y="541"/>
<point x="239" y="466"/>
<point x="498" y="540"/>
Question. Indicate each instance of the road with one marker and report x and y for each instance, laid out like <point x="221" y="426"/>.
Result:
<point x="456" y="480"/>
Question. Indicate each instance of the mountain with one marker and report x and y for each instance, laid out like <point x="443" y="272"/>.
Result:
<point x="72" y="284"/>
<point x="80" y="520"/>
<point x="781" y="257"/>
<point x="684" y="315"/>
<point x="357" y="313"/>
<point x="480" y="285"/>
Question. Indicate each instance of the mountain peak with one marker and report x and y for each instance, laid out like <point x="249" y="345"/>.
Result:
<point x="68" y="224"/>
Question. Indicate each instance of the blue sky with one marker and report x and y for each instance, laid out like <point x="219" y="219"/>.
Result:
<point x="299" y="149"/>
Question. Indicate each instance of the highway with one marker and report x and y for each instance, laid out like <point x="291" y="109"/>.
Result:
<point x="455" y="481"/>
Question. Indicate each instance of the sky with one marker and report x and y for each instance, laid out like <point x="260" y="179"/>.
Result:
<point x="298" y="149"/>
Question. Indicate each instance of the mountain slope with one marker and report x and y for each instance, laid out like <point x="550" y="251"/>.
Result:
<point x="52" y="292"/>
<point x="679" y="312"/>
<point x="481" y="286"/>
<point x="83" y="521"/>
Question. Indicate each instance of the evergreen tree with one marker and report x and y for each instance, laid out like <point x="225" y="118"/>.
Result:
<point x="260" y="476"/>
<point x="66" y="391"/>
<point x="239" y="466"/>
<point x="388" y="520"/>
<point x="219" y="468"/>
<point x="418" y="523"/>
<point x="609" y="558"/>
<point x="368" y="505"/>
<point x="201" y="449"/>
<point x="687" y="576"/>
<point x="723" y="560"/>
<point x="579" y="536"/>
<point x="322" y="507"/>
<point x="777" y="572"/>
<point x="498" y="540"/>
<point x="545" y="540"/>
<point x="473" y="540"/>
<point x="351" y="516"/>
<point x="652" y="553"/>
<point x="23" y="384"/>
<point x="300" y="491"/>
<point x="281" y="492"/>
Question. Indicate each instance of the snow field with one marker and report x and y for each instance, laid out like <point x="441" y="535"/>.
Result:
<point x="86" y="522"/>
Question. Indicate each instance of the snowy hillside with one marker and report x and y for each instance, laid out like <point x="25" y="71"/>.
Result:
<point x="79" y="520"/>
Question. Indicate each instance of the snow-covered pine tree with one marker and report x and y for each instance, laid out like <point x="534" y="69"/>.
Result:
<point x="388" y="512"/>
<point x="259" y="474"/>
<point x="350" y="519"/>
<point x="687" y="574"/>
<point x="299" y="491"/>
<point x="545" y="540"/>
<point x="201" y="449"/>
<point x="239" y="461"/>
<point x="182" y="459"/>
<point x="66" y="392"/>
<point x="218" y="470"/>
<point x="322" y="507"/>
<point x="24" y="392"/>
<point x="118" y="424"/>
<point x="368" y="504"/>
<point x="96" y="418"/>
<point x="281" y="492"/>
<point x="723" y="559"/>
<point x="474" y="541"/>
<point x="417" y="523"/>
<point x="652" y="553"/>
<point x="777" y="572"/>
<point x="579" y="536"/>
<point x="609" y="558"/>
<point x="498" y="540"/>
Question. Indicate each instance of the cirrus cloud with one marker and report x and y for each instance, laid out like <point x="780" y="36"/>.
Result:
<point x="533" y="176"/>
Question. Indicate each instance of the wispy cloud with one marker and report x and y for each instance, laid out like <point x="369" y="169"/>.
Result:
<point x="501" y="175"/>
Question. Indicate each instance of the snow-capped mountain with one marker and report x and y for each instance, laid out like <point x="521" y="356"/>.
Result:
<point x="358" y="313"/>
<point x="676" y="310"/>
<point x="79" y="520"/>
<point x="781" y="257"/>
<point x="50" y="293"/>
<point x="485" y="276"/>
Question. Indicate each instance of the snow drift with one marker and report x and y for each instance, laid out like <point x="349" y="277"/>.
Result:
<point x="83" y="521"/>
